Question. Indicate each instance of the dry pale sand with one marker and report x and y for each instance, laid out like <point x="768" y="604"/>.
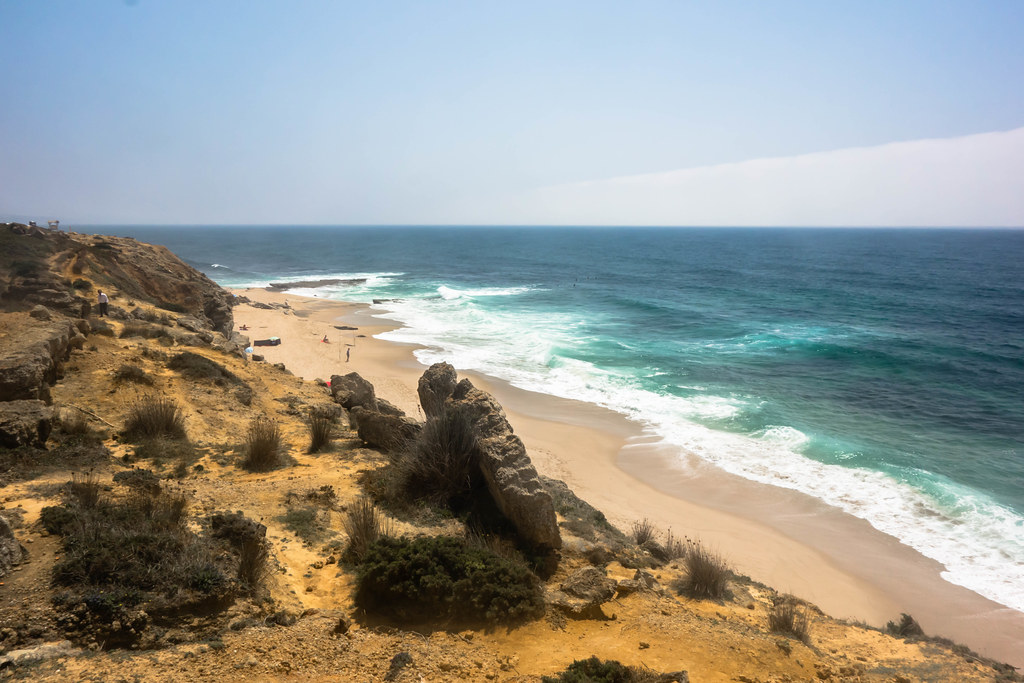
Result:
<point x="782" y="538"/>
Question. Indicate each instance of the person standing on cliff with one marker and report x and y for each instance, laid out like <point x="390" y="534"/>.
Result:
<point x="103" y="300"/>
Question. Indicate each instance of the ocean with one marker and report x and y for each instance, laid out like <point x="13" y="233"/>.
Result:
<point x="880" y="371"/>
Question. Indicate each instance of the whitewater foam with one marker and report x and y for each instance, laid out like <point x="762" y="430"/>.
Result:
<point x="971" y="535"/>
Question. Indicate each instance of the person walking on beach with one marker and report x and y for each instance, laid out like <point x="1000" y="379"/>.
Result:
<point x="103" y="300"/>
<point x="348" y="352"/>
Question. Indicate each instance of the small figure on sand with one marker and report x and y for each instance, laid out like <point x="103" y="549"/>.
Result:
<point x="348" y="352"/>
<point x="324" y="340"/>
<point x="103" y="301"/>
<point x="243" y="326"/>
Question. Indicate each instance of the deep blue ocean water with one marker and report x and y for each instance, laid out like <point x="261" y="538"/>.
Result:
<point x="881" y="371"/>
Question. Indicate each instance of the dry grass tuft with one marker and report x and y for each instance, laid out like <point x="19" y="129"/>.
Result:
<point x="364" y="525"/>
<point x="707" y="574"/>
<point x="675" y="547"/>
<point x="154" y="416"/>
<point x="787" y="617"/>
<point x="440" y="465"/>
<point x="643" y="531"/>
<point x="252" y="564"/>
<point x="320" y="425"/>
<point x="86" y="489"/>
<point x="263" y="445"/>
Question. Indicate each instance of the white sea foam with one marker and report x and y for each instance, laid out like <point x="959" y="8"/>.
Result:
<point x="452" y="293"/>
<point x="355" y="291"/>
<point x="980" y="543"/>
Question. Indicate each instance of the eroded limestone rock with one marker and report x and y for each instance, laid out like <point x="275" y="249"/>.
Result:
<point x="25" y="423"/>
<point x="351" y="391"/>
<point x="387" y="432"/>
<point x="36" y="361"/>
<point x="510" y="475"/>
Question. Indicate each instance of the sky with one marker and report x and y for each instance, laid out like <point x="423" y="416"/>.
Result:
<point x="874" y="113"/>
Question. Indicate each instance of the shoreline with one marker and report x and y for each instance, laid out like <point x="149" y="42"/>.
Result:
<point x="785" y="539"/>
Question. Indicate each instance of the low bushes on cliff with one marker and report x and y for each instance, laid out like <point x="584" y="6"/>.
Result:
<point x="706" y="574"/>
<point x="786" y="616"/>
<point x="119" y="553"/>
<point x="440" y="578"/>
<point x="133" y="374"/>
<point x="437" y="473"/>
<point x="136" y="328"/>
<point x="907" y="627"/>
<point x="320" y="424"/>
<point x="594" y="670"/>
<point x="441" y="466"/>
<point x="200" y="368"/>
<point x="365" y="525"/>
<point x="262" y="445"/>
<point x="154" y="417"/>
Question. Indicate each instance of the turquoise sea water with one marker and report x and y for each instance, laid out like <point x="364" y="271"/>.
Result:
<point x="881" y="371"/>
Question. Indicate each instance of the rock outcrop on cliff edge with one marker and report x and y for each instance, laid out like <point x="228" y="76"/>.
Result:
<point x="62" y="271"/>
<point x="511" y="477"/>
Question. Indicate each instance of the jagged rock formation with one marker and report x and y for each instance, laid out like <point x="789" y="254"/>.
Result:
<point x="511" y="478"/>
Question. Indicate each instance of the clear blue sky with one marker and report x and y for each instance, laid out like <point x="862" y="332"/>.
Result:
<point x="453" y="112"/>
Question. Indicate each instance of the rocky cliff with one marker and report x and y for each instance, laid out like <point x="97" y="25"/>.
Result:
<point x="62" y="271"/>
<point x="48" y="281"/>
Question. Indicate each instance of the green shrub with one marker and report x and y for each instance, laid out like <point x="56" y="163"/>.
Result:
<point x="195" y="367"/>
<point x="132" y="373"/>
<point x="707" y="574"/>
<point x="154" y="416"/>
<point x="592" y="670"/>
<point x="138" y="480"/>
<point x="440" y="577"/>
<point x="365" y="526"/>
<point x="263" y="445"/>
<point x="109" y="604"/>
<point x="906" y="628"/>
<point x="441" y="464"/>
<point x="82" y="284"/>
<point x="787" y="618"/>
<point x="57" y="519"/>
<point x="595" y="670"/>
<point x="139" y="544"/>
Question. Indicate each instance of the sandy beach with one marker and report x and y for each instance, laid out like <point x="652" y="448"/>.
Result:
<point x="782" y="538"/>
